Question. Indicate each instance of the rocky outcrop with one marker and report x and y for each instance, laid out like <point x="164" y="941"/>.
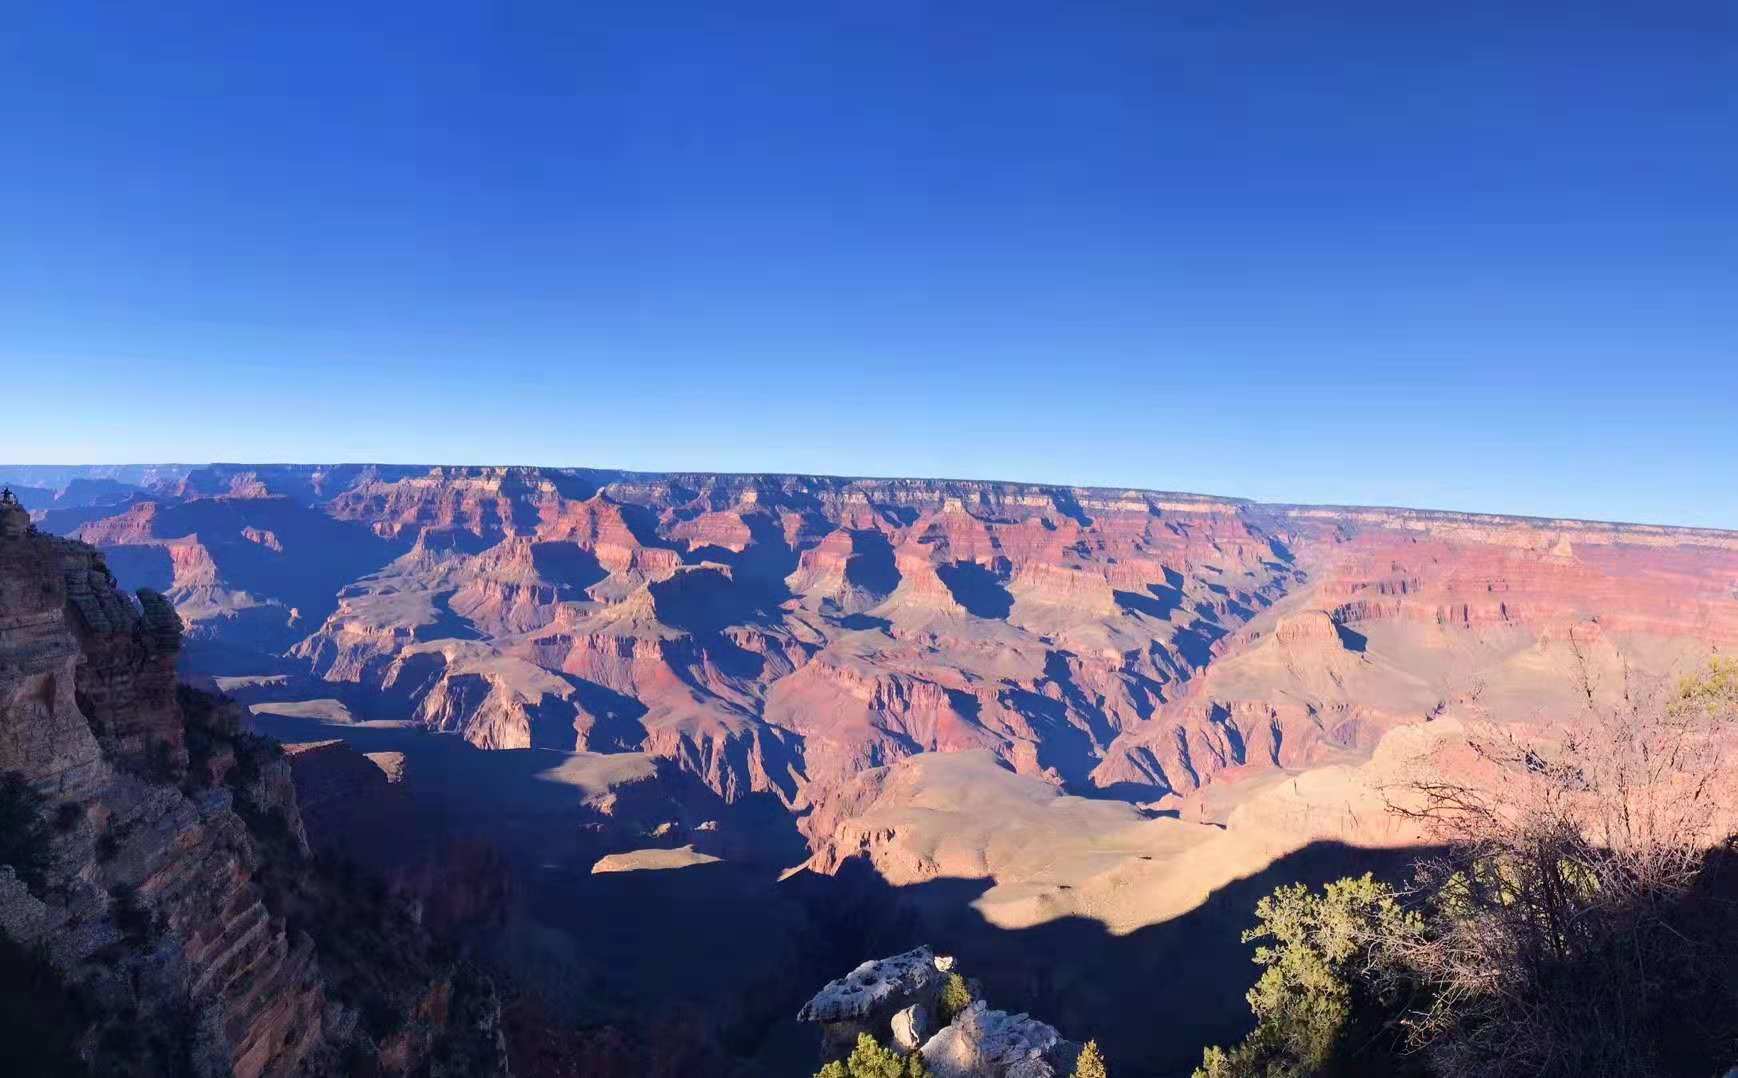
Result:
<point x="891" y="1000"/>
<point x="14" y="517"/>
<point x="982" y="1043"/>
<point x="872" y="996"/>
<point x="888" y="984"/>
<point x="847" y="572"/>
<point x="168" y="882"/>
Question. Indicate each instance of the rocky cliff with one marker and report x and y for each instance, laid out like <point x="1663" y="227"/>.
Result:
<point x="155" y="876"/>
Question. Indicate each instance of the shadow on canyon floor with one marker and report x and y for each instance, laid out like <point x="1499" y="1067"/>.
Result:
<point x="1152" y="998"/>
<point x="703" y="948"/>
<point x="536" y="797"/>
<point x="725" y="952"/>
<point x="977" y="589"/>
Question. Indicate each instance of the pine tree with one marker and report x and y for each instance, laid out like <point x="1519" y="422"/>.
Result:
<point x="870" y="1060"/>
<point x="955" y="997"/>
<point x="1091" y="1063"/>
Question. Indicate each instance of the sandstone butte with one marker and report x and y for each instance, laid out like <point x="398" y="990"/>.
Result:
<point x="1105" y="704"/>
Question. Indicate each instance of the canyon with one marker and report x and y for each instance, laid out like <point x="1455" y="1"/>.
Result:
<point x="580" y="719"/>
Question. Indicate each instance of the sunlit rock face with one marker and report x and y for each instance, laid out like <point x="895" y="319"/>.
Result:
<point x="782" y="635"/>
<point x="985" y="1043"/>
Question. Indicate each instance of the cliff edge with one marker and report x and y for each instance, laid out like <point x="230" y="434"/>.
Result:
<point x="160" y="912"/>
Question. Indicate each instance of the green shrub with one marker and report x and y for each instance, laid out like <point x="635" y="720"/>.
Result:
<point x="955" y="997"/>
<point x="870" y="1060"/>
<point x="1311" y="997"/>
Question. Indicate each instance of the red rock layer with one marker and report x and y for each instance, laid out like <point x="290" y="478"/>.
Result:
<point x="779" y="634"/>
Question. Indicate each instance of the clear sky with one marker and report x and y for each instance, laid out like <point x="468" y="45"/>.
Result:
<point x="1480" y="257"/>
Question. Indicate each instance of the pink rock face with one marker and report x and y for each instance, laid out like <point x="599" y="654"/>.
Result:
<point x="782" y="634"/>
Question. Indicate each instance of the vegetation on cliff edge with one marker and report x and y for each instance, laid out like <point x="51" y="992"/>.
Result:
<point x="1579" y="922"/>
<point x="871" y="1060"/>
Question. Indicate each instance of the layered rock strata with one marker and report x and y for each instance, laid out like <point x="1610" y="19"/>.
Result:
<point x="157" y="854"/>
<point x="777" y="635"/>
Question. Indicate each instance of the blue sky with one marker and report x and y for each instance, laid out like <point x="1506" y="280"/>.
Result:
<point x="1477" y="258"/>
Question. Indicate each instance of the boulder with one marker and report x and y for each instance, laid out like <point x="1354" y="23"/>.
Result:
<point x="982" y="1043"/>
<point x="911" y="1028"/>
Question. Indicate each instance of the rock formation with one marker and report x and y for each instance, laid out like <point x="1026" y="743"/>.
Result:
<point x="157" y="861"/>
<point x="910" y="1027"/>
<point x="982" y="1043"/>
<point x="870" y="997"/>
<point x="891" y="999"/>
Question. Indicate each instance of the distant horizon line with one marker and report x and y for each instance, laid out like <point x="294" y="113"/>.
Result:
<point x="842" y="478"/>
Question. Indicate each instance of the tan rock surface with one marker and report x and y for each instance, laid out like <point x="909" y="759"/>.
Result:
<point x="653" y="860"/>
